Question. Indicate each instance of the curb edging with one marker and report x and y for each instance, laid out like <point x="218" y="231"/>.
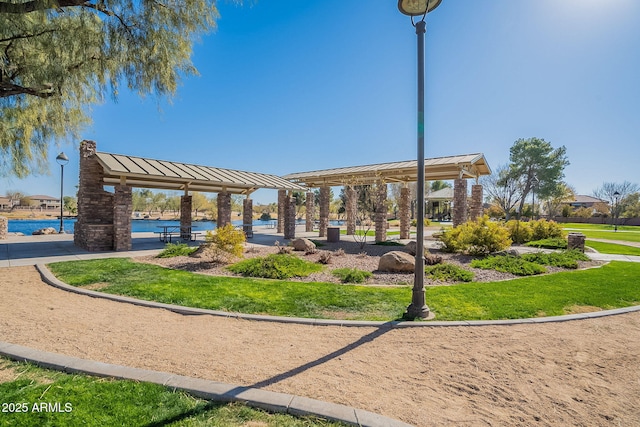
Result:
<point x="52" y="280"/>
<point x="205" y="389"/>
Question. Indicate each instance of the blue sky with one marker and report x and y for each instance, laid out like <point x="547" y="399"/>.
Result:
<point x="288" y="86"/>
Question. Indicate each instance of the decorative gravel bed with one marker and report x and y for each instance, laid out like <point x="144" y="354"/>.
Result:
<point x="344" y="255"/>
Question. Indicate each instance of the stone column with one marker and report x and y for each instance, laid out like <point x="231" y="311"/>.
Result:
<point x="289" y="217"/>
<point x="351" y="208"/>
<point x="324" y="210"/>
<point x="459" y="201"/>
<point x="311" y="211"/>
<point x="405" y="220"/>
<point x="224" y="209"/>
<point x="122" y="210"/>
<point x="94" y="228"/>
<point x="476" y="210"/>
<point x="247" y="216"/>
<point x="4" y="227"/>
<point x="185" y="213"/>
<point x="282" y="194"/>
<point x="381" y="212"/>
<point x="576" y="241"/>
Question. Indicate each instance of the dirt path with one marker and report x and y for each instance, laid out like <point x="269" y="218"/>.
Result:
<point x="582" y="373"/>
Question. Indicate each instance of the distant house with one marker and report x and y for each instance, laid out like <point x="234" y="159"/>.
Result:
<point x="582" y="201"/>
<point x="45" y="202"/>
<point x="5" y="203"/>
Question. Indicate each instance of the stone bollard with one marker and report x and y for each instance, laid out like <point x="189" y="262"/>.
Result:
<point x="576" y="241"/>
<point x="4" y="227"/>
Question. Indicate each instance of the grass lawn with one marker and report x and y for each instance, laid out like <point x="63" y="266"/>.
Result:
<point x="234" y="294"/>
<point x="91" y="401"/>
<point x="611" y="286"/>
<point x="602" y="231"/>
<point x="603" y="227"/>
<point x="613" y="248"/>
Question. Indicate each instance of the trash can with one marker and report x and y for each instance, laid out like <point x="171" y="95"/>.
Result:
<point x="333" y="234"/>
<point x="576" y="241"/>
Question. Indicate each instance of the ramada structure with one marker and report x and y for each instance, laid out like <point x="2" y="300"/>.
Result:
<point x="457" y="168"/>
<point x="104" y="218"/>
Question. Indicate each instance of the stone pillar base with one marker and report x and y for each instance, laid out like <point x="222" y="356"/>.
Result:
<point x="324" y="210"/>
<point x="290" y="218"/>
<point x="381" y="212"/>
<point x="311" y="211"/>
<point x="224" y="209"/>
<point x="459" y="202"/>
<point x="405" y="220"/>
<point x="247" y="217"/>
<point x="351" y="208"/>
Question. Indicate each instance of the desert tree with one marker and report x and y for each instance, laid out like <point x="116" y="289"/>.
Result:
<point x="503" y="189"/>
<point x="58" y="58"/>
<point x="617" y="194"/>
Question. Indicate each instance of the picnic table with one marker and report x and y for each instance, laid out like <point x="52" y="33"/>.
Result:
<point x="176" y="231"/>
<point x="247" y="229"/>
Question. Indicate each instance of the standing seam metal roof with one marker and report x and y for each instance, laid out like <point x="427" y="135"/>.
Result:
<point x="167" y="175"/>
<point x="438" y="168"/>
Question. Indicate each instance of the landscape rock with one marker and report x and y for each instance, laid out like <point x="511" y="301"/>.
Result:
<point x="430" y="259"/>
<point x="48" y="230"/>
<point x="302" y="244"/>
<point x="396" y="261"/>
<point x="411" y="247"/>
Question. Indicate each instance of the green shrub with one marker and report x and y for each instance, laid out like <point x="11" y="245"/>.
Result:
<point x="275" y="266"/>
<point x="509" y="264"/>
<point x="352" y="275"/>
<point x="224" y="243"/>
<point x="519" y="231"/>
<point x="414" y="222"/>
<point x="389" y="243"/>
<point x="553" y="243"/>
<point x="543" y="229"/>
<point x="266" y="216"/>
<point x="448" y="273"/>
<point x="479" y="237"/>
<point x="176" y="249"/>
<point x="565" y="259"/>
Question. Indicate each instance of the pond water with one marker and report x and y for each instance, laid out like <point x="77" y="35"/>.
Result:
<point x="28" y="226"/>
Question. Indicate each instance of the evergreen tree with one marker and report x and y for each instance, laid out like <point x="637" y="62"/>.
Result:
<point x="537" y="166"/>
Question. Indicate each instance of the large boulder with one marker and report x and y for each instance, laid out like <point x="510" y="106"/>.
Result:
<point x="48" y="230"/>
<point x="302" y="244"/>
<point x="397" y="262"/>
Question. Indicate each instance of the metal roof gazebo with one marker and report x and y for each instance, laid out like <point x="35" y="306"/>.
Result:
<point x="458" y="168"/>
<point x="104" y="218"/>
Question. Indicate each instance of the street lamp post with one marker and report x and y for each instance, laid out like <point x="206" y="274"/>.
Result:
<point x="418" y="306"/>
<point x="616" y="196"/>
<point x="62" y="160"/>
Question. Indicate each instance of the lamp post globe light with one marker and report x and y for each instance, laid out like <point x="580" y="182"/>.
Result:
<point x="418" y="306"/>
<point x="62" y="160"/>
<point x="616" y="196"/>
